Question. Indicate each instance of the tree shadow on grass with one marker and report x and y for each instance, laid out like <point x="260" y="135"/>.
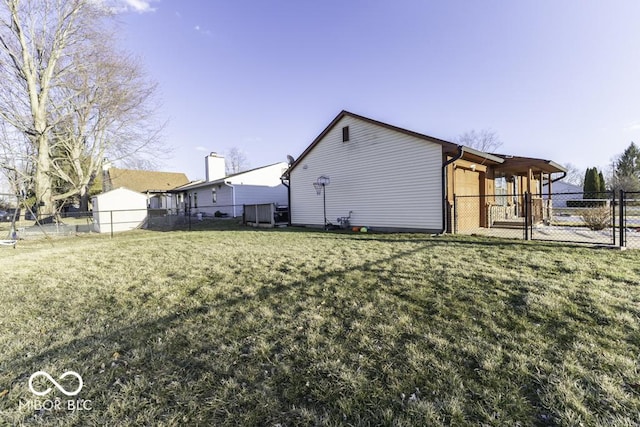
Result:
<point x="167" y="347"/>
<point x="176" y="365"/>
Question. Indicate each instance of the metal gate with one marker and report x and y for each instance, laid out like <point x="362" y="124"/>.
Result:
<point x="572" y="217"/>
<point x="630" y="219"/>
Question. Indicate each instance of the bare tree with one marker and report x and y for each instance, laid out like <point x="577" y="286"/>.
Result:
<point x="69" y="93"/>
<point x="574" y="176"/>
<point x="484" y="140"/>
<point x="35" y="37"/>
<point x="16" y="160"/>
<point x="106" y="109"/>
<point x="235" y="161"/>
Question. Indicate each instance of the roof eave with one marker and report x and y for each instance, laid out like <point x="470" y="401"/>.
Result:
<point x="483" y="155"/>
<point x="521" y="165"/>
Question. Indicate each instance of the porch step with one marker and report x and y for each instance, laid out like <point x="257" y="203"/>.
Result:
<point x="509" y="223"/>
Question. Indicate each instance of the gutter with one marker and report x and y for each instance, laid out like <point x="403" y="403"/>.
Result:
<point x="564" y="174"/>
<point x="233" y="196"/>
<point x="282" y="180"/>
<point x="551" y="181"/>
<point x="444" y="186"/>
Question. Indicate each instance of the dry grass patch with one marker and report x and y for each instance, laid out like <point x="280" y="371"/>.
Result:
<point x="247" y="327"/>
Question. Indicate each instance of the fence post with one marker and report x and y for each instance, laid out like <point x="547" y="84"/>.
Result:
<point x="111" y="222"/>
<point x="613" y="215"/>
<point x="621" y="219"/>
<point x="455" y="214"/>
<point x="527" y="214"/>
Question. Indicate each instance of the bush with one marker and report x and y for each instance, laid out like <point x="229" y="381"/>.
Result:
<point x="589" y="203"/>
<point x="597" y="218"/>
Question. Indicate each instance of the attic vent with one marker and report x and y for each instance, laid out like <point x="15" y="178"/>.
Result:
<point x="345" y="134"/>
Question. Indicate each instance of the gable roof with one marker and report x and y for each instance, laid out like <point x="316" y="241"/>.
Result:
<point x="448" y="147"/>
<point x="189" y="185"/>
<point x="145" y="181"/>
<point x="237" y="174"/>
<point x="203" y="183"/>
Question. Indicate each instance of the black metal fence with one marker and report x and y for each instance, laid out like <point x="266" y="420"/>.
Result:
<point x="630" y="220"/>
<point x="607" y="219"/>
<point x="604" y="218"/>
<point x="27" y="225"/>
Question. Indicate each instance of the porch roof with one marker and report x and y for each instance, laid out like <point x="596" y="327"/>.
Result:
<point x="518" y="165"/>
<point x="477" y="156"/>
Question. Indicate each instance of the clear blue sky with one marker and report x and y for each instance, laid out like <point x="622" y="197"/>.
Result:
<point x="555" y="79"/>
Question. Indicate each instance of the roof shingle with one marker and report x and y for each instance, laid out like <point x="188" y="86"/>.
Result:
<point x="143" y="181"/>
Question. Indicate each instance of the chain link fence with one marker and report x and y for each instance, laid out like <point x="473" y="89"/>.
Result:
<point x="598" y="218"/>
<point x="20" y="224"/>
<point x="630" y="219"/>
<point x="607" y="218"/>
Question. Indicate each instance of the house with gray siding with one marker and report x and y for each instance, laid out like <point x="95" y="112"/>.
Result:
<point x="226" y="194"/>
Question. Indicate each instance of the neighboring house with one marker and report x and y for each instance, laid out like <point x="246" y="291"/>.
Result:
<point x="390" y="178"/>
<point x="156" y="186"/>
<point x="119" y="210"/>
<point x="563" y="191"/>
<point x="226" y="194"/>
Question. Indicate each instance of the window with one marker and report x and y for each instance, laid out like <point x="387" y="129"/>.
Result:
<point x="195" y="200"/>
<point x="345" y="134"/>
<point x="501" y="191"/>
<point x="214" y="196"/>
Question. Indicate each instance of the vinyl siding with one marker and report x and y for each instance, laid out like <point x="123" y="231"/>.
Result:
<point x="388" y="179"/>
<point x="126" y="208"/>
<point x="260" y="185"/>
<point x="224" y="200"/>
<point x="244" y="194"/>
<point x="254" y="194"/>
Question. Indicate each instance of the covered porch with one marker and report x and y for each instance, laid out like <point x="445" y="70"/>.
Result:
<point x="518" y="178"/>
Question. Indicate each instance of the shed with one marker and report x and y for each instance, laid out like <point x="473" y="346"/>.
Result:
<point x="119" y="210"/>
<point x="156" y="185"/>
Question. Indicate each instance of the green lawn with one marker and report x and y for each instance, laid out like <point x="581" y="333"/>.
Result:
<point x="284" y="328"/>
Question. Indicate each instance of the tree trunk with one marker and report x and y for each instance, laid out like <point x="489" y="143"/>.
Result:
<point x="84" y="199"/>
<point x="43" y="182"/>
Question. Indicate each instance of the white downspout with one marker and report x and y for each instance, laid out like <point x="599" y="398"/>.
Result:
<point x="233" y="196"/>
